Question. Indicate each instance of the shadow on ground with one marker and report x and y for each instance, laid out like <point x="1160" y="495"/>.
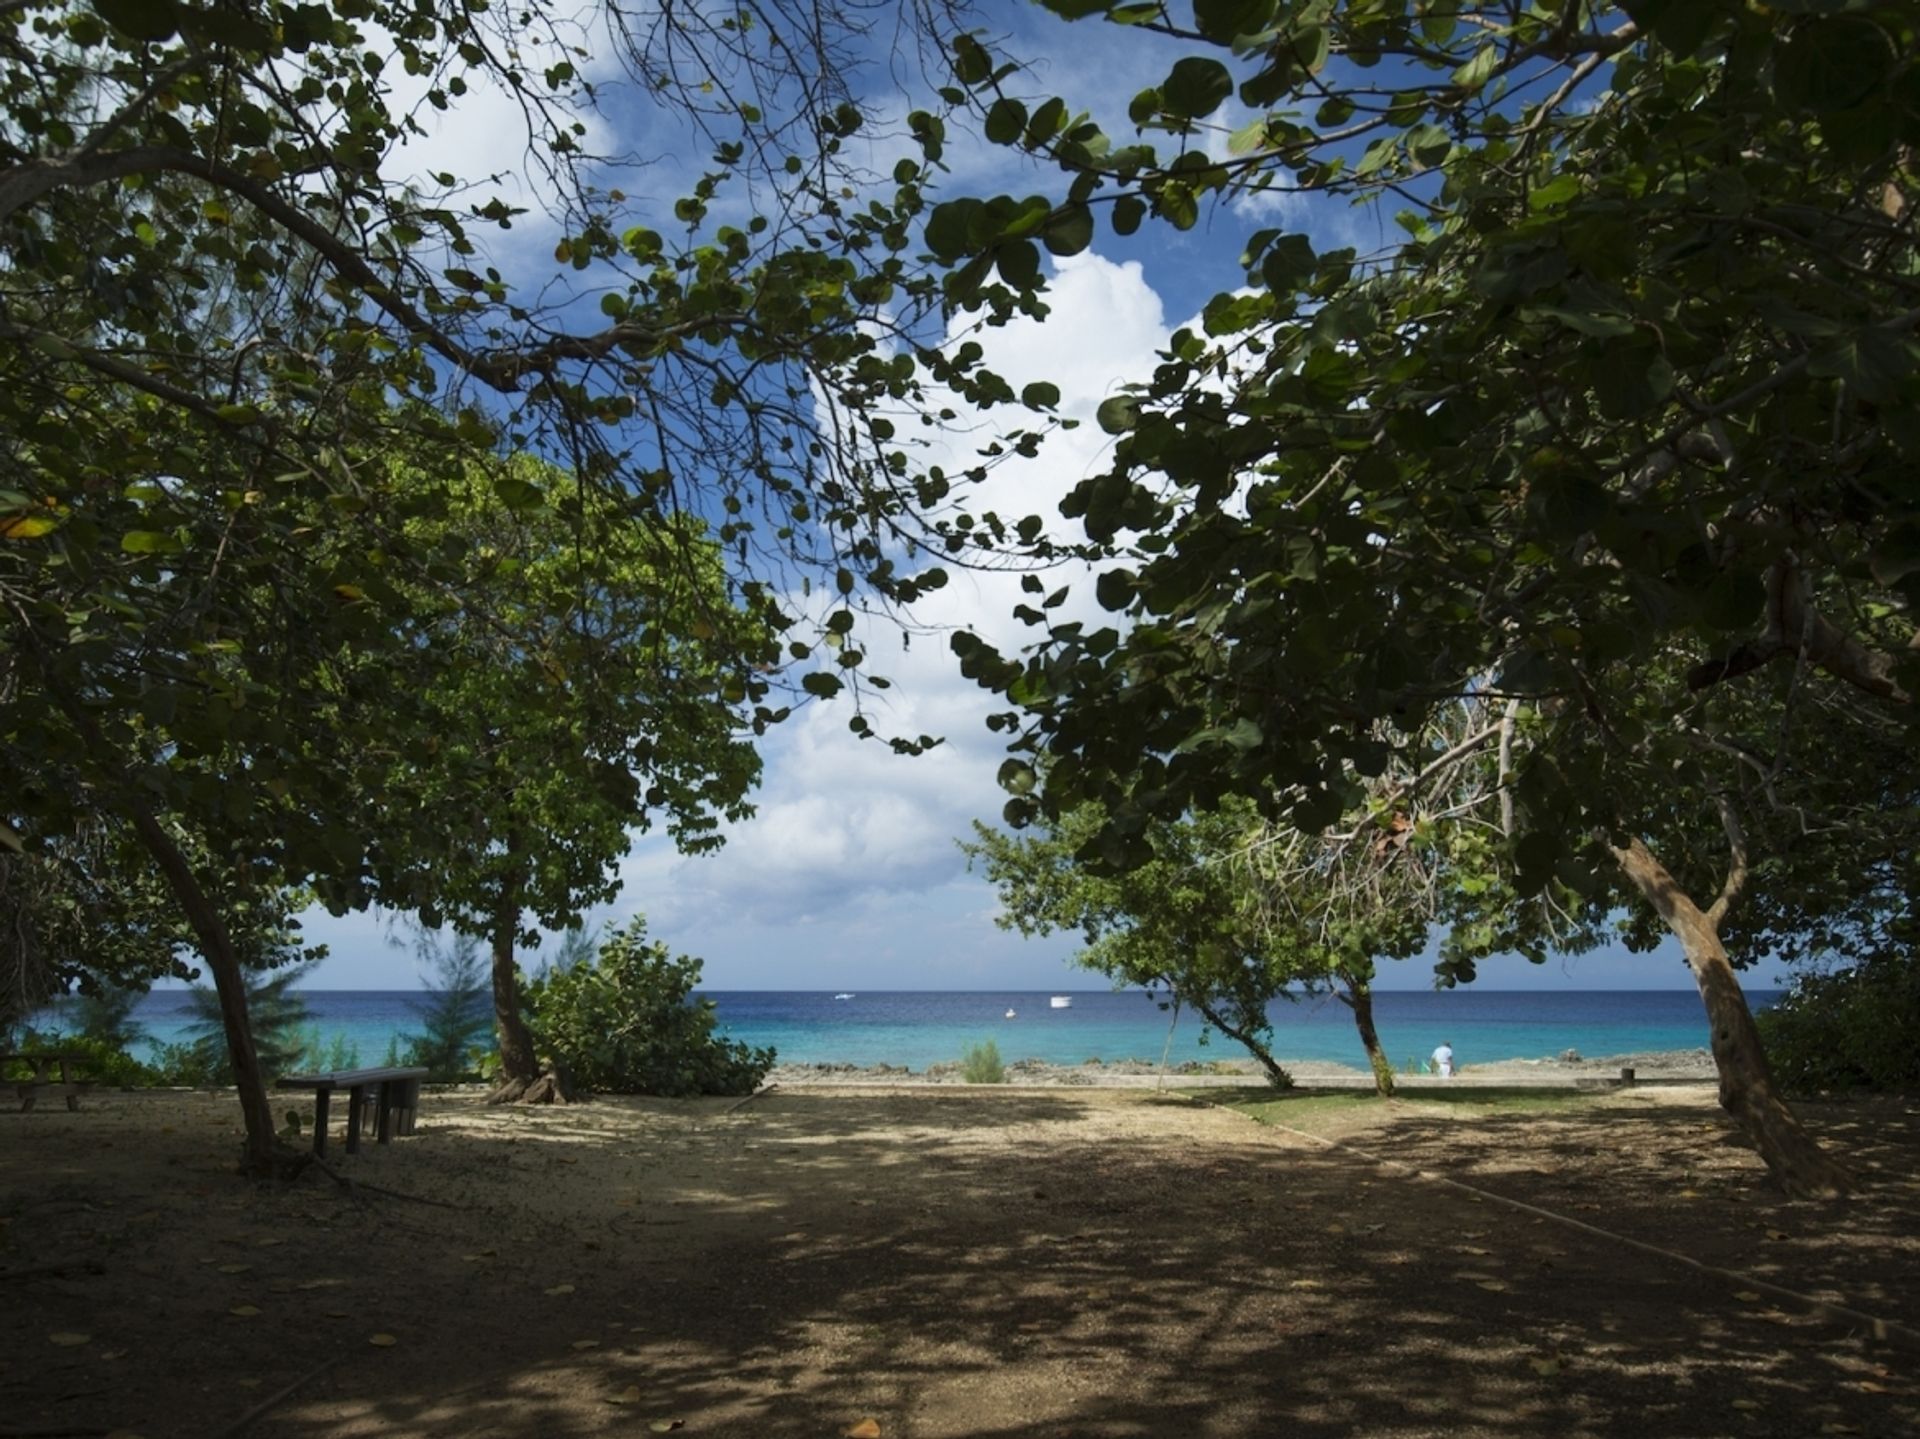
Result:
<point x="1081" y="1264"/>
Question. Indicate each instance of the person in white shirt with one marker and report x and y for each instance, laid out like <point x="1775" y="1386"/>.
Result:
<point x="1443" y="1061"/>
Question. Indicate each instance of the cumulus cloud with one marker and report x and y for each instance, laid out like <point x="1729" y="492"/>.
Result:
<point x="846" y="826"/>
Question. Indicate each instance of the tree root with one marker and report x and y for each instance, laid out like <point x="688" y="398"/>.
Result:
<point x="553" y="1087"/>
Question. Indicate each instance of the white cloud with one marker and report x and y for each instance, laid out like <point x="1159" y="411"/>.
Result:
<point x="847" y="826"/>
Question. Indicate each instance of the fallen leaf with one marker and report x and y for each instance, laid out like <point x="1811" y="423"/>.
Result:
<point x="1778" y="1234"/>
<point x="268" y="1243"/>
<point x="382" y="1341"/>
<point x="235" y="1268"/>
<point x="865" y="1429"/>
<point x="1545" y="1366"/>
<point x="334" y="1313"/>
<point x="667" y="1426"/>
<point x="320" y="1284"/>
<point x="1748" y="1405"/>
<point x="1746" y="1296"/>
<point x="243" y="1311"/>
<point x="1306" y="1284"/>
<point x="1497" y="1285"/>
<point x="629" y="1395"/>
<point x="1474" y="1249"/>
<point x="586" y="1344"/>
<point x="1839" y="1428"/>
<point x="561" y="1289"/>
<point x="1872" y="1388"/>
<point x="68" y="1340"/>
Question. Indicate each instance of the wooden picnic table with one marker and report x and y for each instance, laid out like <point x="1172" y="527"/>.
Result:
<point x="396" y="1094"/>
<point x="43" y="1066"/>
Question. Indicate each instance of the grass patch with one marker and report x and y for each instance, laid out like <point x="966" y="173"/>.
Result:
<point x="981" y="1065"/>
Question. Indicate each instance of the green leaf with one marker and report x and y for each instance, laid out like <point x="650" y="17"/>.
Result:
<point x="1223" y="20"/>
<point x="1872" y="362"/>
<point x="1040" y="395"/>
<point x="1017" y="777"/>
<point x="1068" y="230"/>
<point x="821" y="685"/>
<point x="1128" y="211"/>
<point x="1831" y="63"/>
<point x="140" y="19"/>
<point x="1006" y="118"/>
<point x="1195" y="87"/>
<point x="150" y="542"/>
<point x="1019" y="264"/>
<point x="1118" y="414"/>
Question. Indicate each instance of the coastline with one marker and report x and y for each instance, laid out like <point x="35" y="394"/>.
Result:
<point x="1668" y="1065"/>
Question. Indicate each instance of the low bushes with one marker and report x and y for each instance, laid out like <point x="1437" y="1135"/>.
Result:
<point x="626" y="1022"/>
<point x="981" y="1065"/>
<point x="1847" y="1029"/>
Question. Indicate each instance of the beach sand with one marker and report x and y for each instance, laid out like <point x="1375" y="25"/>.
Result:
<point x="954" y="1262"/>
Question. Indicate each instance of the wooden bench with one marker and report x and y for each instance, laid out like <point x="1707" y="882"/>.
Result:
<point x="396" y="1101"/>
<point x="43" y="1065"/>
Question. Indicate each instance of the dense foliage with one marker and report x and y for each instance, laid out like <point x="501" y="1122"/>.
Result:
<point x="627" y="1022"/>
<point x="1851" y="1028"/>
<point x="1621" y="434"/>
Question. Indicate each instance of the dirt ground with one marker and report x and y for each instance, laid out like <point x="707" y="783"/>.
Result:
<point x="945" y="1262"/>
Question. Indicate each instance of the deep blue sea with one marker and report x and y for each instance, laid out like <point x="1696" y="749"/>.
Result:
<point x="921" y="1028"/>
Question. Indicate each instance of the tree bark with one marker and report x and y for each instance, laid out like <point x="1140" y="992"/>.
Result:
<point x="519" y="1066"/>
<point x="216" y="947"/>
<point x="1359" y="998"/>
<point x="1747" y="1091"/>
<point x="1276" y="1076"/>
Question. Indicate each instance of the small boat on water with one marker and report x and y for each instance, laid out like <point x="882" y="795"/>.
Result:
<point x="843" y="996"/>
<point x="1061" y="1001"/>
<point x="1011" y="1015"/>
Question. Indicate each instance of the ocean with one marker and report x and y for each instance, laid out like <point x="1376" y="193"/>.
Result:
<point x="917" y="1029"/>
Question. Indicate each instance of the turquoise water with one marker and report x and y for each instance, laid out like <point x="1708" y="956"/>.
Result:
<point x="918" y="1028"/>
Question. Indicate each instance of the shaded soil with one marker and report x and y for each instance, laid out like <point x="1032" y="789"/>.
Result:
<point x="1079" y="1262"/>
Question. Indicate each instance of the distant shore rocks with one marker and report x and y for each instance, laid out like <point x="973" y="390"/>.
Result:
<point x="1677" y="1064"/>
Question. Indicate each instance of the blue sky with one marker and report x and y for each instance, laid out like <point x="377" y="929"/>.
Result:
<point x="849" y="876"/>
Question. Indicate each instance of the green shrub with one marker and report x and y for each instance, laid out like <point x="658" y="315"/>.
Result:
<point x="626" y="1022"/>
<point x="981" y="1065"/>
<point x="96" y="1059"/>
<point x="197" y="1066"/>
<point x="1847" y="1028"/>
<point x="278" y="1013"/>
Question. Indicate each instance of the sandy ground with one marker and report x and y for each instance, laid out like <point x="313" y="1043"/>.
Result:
<point x="954" y="1261"/>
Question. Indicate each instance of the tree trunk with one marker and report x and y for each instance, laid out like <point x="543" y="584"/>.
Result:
<point x="1747" y="1092"/>
<point x="216" y="947"/>
<point x="1276" y="1076"/>
<point x="1359" y="998"/>
<point x="519" y="1066"/>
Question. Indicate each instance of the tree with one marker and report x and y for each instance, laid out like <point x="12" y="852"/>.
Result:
<point x="605" y="686"/>
<point x="1178" y="922"/>
<point x="453" y="1017"/>
<point x="1620" y="435"/>
<point x="235" y="316"/>
<point x="278" y="1013"/>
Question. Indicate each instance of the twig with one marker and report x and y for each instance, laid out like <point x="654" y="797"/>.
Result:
<point x="741" y="1103"/>
<point x="355" y="1186"/>
<point x="272" y="1399"/>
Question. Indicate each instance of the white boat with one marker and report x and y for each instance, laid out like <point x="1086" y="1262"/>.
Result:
<point x="1011" y="1015"/>
<point x="843" y="996"/>
<point x="1061" y="1001"/>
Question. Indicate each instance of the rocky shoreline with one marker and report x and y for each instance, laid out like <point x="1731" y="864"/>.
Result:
<point x="1678" y="1064"/>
